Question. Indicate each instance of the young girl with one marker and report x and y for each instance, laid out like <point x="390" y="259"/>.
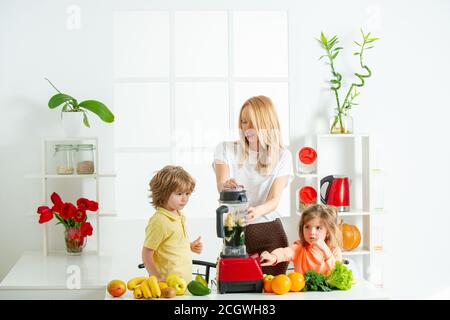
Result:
<point x="260" y="162"/>
<point x="318" y="248"/>
<point x="167" y="248"/>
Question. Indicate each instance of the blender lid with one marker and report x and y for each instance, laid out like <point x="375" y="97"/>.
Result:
<point x="233" y="195"/>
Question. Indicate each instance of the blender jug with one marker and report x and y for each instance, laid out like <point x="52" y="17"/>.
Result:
<point x="230" y="222"/>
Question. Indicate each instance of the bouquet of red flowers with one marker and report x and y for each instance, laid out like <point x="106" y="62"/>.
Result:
<point x="72" y="217"/>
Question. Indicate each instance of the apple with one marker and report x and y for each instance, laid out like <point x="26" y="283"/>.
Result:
<point x="267" y="283"/>
<point x="180" y="286"/>
<point x="116" y="288"/>
<point x="177" y="282"/>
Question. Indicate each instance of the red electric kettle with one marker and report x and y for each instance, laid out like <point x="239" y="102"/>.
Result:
<point x="337" y="192"/>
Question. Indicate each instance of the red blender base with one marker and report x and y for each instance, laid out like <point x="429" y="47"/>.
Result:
<point x="239" y="274"/>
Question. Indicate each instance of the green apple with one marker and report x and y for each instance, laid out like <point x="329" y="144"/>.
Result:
<point x="177" y="282"/>
<point x="268" y="277"/>
<point x="180" y="286"/>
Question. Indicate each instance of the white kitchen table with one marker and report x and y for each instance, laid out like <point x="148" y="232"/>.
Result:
<point x="59" y="276"/>
<point x="362" y="290"/>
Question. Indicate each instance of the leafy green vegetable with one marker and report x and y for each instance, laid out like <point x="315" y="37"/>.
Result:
<point x="340" y="277"/>
<point x="315" y="281"/>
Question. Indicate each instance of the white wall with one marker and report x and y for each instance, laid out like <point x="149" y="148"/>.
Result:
<point x="403" y="106"/>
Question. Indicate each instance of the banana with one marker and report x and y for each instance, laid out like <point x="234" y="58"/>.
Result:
<point x="133" y="283"/>
<point x="146" y="289"/>
<point x="162" y="285"/>
<point x="154" y="287"/>
<point x="137" y="292"/>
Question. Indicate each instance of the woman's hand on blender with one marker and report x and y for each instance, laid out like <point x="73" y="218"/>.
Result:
<point x="253" y="213"/>
<point x="267" y="259"/>
<point x="231" y="184"/>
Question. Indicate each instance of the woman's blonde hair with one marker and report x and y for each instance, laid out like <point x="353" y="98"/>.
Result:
<point x="328" y="217"/>
<point x="264" y="120"/>
<point x="167" y="180"/>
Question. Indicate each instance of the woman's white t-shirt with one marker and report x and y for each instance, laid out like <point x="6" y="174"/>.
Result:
<point x="257" y="185"/>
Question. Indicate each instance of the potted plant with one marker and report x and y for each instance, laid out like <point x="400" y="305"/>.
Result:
<point x="71" y="108"/>
<point x="341" y="122"/>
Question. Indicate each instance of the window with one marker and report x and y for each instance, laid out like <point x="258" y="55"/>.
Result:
<point x="180" y="79"/>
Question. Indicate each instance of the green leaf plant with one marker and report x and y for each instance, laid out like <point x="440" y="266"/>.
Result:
<point x="70" y="104"/>
<point x="332" y="49"/>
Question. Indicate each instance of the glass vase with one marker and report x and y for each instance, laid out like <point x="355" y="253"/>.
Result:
<point x="74" y="241"/>
<point x="341" y="123"/>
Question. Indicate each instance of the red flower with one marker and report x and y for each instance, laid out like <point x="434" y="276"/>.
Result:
<point x="42" y="208"/>
<point x="85" y="204"/>
<point x="86" y="229"/>
<point x="68" y="211"/>
<point x="56" y="199"/>
<point x="80" y="215"/>
<point x="93" y="206"/>
<point x="58" y="203"/>
<point x="45" y="215"/>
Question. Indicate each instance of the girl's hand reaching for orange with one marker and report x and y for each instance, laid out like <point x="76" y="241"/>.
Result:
<point x="267" y="259"/>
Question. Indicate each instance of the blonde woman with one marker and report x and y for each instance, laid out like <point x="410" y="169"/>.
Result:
<point x="263" y="166"/>
<point x="318" y="248"/>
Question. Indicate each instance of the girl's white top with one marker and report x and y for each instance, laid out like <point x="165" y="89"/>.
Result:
<point x="257" y="185"/>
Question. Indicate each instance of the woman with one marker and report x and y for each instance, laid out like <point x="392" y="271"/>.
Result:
<point x="260" y="163"/>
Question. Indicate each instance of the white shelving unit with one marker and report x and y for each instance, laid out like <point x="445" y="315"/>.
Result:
<point x="47" y="174"/>
<point x="348" y="155"/>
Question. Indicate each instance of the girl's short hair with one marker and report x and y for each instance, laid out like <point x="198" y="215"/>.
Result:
<point x="167" y="180"/>
<point x="328" y="217"/>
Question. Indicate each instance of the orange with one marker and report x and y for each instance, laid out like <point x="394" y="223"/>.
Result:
<point x="281" y="284"/>
<point x="297" y="280"/>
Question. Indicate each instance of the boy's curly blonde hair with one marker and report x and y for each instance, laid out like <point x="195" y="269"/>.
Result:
<point x="328" y="216"/>
<point x="167" y="180"/>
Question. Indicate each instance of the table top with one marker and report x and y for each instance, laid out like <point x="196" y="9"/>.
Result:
<point x="361" y="290"/>
<point x="91" y="271"/>
<point x="34" y="270"/>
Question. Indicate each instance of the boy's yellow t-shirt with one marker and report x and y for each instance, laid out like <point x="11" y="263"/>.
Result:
<point x="166" y="234"/>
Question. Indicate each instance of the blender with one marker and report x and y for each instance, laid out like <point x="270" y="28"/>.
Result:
<point x="236" y="270"/>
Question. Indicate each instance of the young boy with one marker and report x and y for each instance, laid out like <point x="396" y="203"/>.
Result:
<point x="167" y="248"/>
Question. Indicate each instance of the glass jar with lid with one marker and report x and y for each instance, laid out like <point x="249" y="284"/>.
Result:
<point x="85" y="158"/>
<point x="64" y="158"/>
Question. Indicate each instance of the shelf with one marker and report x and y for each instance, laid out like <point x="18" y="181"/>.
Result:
<point x="307" y="175"/>
<point x="100" y="214"/>
<point x="70" y="176"/>
<point x="356" y="252"/>
<point x="347" y="214"/>
<point x="53" y="139"/>
<point x="343" y="136"/>
<point x="354" y="213"/>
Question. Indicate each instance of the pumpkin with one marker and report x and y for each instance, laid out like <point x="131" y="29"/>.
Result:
<point x="351" y="237"/>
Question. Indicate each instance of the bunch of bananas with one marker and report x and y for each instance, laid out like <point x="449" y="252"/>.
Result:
<point x="149" y="287"/>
